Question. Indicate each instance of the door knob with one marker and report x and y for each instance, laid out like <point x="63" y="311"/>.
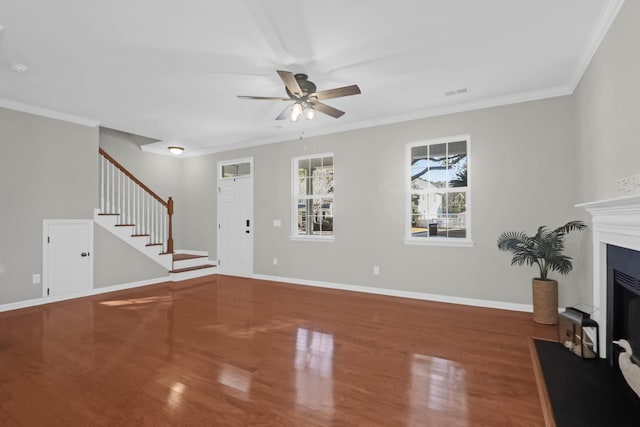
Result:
<point x="83" y="254"/>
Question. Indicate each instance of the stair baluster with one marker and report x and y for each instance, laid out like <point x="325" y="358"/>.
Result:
<point x="122" y="193"/>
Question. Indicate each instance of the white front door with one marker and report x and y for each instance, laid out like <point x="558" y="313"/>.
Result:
<point x="235" y="221"/>
<point x="67" y="256"/>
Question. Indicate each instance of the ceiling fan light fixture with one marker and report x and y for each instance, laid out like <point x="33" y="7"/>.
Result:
<point x="174" y="149"/>
<point x="296" y="112"/>
<point x="310" y="113"/>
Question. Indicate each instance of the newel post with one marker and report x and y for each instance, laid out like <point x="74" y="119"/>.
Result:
<point x="170" y="237"/>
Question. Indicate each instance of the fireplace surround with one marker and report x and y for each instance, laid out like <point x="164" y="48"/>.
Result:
<point x="616" y="223"/>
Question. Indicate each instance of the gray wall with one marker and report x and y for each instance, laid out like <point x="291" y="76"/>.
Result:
<point x="116" y="263"/>
<point x="48" y="171"/>
<point x="607" y="104"/>
<point x="198" y="230"/>
<point x="522" y="175"/>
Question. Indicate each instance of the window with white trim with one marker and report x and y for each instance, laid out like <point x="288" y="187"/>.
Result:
<point x="313" y="206"/>
<point x="438" y="193"/>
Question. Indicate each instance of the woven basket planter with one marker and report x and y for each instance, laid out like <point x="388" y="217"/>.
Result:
<point x="545" y="301"/>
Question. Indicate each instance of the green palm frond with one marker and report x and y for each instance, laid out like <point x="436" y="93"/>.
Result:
<point x="544" y="249"/>
<point x="512" y="239"/>
<point x="561" y="264"/>
<point x="570" y="226"/>
<point x="542" y="231"/>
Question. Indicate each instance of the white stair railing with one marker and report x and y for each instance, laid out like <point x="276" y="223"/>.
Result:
<point x="123" y="194"/>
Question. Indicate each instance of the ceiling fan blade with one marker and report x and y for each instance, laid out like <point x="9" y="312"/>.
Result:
<point x="337" y="93"/>
<point x="285" y="114"/>
<point x="291" y="83"/>
<point x="267" y="98"/>
<point x="326" y="109"/>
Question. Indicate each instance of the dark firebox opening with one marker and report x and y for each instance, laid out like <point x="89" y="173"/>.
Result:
<point x="623" y="301"/>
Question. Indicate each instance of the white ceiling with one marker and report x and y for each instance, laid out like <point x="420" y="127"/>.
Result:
<point x="171" y="70"/>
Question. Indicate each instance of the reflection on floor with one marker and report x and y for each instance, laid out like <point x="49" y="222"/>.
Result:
<point x="314" y="371"/>
<point x="233" y="352"/>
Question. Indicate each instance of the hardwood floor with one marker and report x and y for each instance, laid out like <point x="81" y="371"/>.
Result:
<point x="227" y="351"/>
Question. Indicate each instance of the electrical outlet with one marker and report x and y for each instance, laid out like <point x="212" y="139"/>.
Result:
<point x="35" y="279"/>
<point x="275" y="261"/>
<point x="376" y="270"/>
<point x="277" y="223"/>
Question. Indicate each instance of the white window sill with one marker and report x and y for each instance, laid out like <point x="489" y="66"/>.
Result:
<point x="313" y="238"/>
<point x="438" y="241"/>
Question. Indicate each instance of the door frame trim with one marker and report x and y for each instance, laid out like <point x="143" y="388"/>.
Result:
<point x="45" y="252"/>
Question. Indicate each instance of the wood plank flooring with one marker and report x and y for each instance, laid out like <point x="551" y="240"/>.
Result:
<point x="228" y="351"/>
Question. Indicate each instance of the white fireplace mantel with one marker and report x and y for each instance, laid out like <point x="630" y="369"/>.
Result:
<point x="615" y="222"/>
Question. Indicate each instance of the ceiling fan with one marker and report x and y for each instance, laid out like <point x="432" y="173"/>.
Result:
<point x="305" y="99"/>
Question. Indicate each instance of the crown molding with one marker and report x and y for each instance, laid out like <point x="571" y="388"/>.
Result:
<point x="45" y="112"/>
<point x="499" y="101"/>
<point x="160" y="146"/>
<point x="606" y="18"/>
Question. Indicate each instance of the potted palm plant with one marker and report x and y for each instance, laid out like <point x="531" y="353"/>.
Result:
<point x="544" y="249"/>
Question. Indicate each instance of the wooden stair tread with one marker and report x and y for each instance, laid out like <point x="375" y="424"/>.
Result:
<point x="140" y="235"/>
<point x="197" y="267"/>
<point x="125" y="225"/>
<point x="153" y="244"/>
<point x="182" y="257"/>
<point x="108" y="214"/>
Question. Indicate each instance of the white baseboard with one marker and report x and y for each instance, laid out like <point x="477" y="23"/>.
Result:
<point x="402" y="294"/>
<point x="329" y="285"/>
<point x="96" y="291"/>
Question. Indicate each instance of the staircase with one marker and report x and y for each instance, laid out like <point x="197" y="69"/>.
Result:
<point x="138" y="216"/>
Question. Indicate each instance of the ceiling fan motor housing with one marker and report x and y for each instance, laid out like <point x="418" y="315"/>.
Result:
<point x="306" y="85"/>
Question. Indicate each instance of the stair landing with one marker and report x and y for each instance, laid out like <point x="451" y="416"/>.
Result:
<point x="182" y="257"/>
<point x="189" y="265"/>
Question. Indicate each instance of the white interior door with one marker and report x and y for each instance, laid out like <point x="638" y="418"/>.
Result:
<point x="68" y="261"/>
<point x="235" y="224"/>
